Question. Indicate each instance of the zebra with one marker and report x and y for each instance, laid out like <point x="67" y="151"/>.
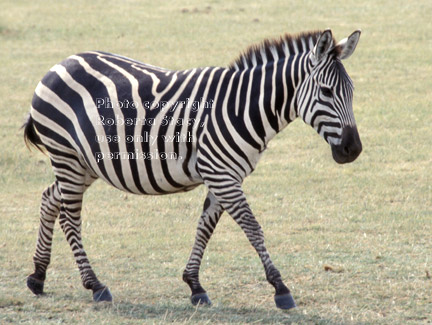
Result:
<point x="149" y="130"/>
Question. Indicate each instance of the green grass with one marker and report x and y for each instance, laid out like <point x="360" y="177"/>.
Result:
<point x="370" y="221"/>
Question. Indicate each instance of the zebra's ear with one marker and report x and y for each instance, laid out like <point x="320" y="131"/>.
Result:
<point x="348" y="45"/>
<point x="323" y="44"/>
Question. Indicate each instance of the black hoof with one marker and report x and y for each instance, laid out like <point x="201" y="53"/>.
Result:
<point x="285" y="301"/>
<point x="102" y="295"/>
<point x="35" y="285"/>
<point x="200" y="299"/>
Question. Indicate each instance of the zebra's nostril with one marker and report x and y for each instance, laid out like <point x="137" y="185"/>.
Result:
<point x="346" y="150"/>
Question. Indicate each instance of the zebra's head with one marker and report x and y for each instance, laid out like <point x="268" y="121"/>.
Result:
<point x="324" y="99"/>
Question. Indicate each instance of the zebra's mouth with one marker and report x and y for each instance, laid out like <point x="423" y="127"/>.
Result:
<point x="349" y="148"/>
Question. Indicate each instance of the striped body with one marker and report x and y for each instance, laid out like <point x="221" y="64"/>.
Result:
<point x="149" y="130"/>
<point x="187" y="128"/>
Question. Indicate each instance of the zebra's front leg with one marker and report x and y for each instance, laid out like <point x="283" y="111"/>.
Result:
<point x="212" y="211"/>
<point x="234" y="202"/>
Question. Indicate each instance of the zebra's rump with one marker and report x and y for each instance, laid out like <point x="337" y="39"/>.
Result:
<point x="99" y="109"/>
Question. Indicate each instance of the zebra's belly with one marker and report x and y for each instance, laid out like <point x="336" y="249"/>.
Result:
<point x="167" y="189"/>
<point x="155" y="172"/>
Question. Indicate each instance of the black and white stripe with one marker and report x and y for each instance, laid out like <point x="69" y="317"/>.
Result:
<point x="148" y="130"/>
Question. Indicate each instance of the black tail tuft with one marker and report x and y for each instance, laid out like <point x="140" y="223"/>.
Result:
<point x="30" y="135"/>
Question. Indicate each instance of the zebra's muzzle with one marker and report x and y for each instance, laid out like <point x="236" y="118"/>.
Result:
<point x="349" y="148"/>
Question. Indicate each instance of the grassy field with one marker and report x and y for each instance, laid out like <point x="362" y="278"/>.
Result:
<point x="369" y="224"/>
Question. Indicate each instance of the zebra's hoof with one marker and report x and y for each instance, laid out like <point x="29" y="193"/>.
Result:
<point x="285" y="301"/>
<point x="102" y="295"/>
<point x="36" y="286"/>
<point x="200" y="299"/>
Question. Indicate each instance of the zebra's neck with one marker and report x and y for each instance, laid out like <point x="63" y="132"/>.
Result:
<point x="265" y="95"/>
<point x="278" y="67"/>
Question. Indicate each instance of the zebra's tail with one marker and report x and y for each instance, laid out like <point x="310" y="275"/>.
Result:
<point x="30" y="135"/>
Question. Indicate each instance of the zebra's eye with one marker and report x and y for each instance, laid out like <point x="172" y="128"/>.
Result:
<point x="326" y="92"/>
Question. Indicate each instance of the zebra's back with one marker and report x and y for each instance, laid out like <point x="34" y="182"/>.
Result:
<point x="105" y="110"/>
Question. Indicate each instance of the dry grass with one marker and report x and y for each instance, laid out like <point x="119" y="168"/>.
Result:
<point x="368" y="223"/>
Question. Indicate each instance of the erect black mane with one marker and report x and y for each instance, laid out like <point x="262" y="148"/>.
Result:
<point x="284" y="46"/>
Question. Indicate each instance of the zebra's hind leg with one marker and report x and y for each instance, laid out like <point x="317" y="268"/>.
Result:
<point x="212" y="211"/>
<point x="49" y="211"/>
<point x="72" y="189"/>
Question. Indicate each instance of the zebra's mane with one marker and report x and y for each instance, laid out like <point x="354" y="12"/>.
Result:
<point x="270" y="50"/>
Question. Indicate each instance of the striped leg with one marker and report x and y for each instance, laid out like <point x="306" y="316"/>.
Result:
<point x="70" y="221"/>
<point x="211" y="213"/>
<point x="49" y="211"/>
<point x="234" y="202"/>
